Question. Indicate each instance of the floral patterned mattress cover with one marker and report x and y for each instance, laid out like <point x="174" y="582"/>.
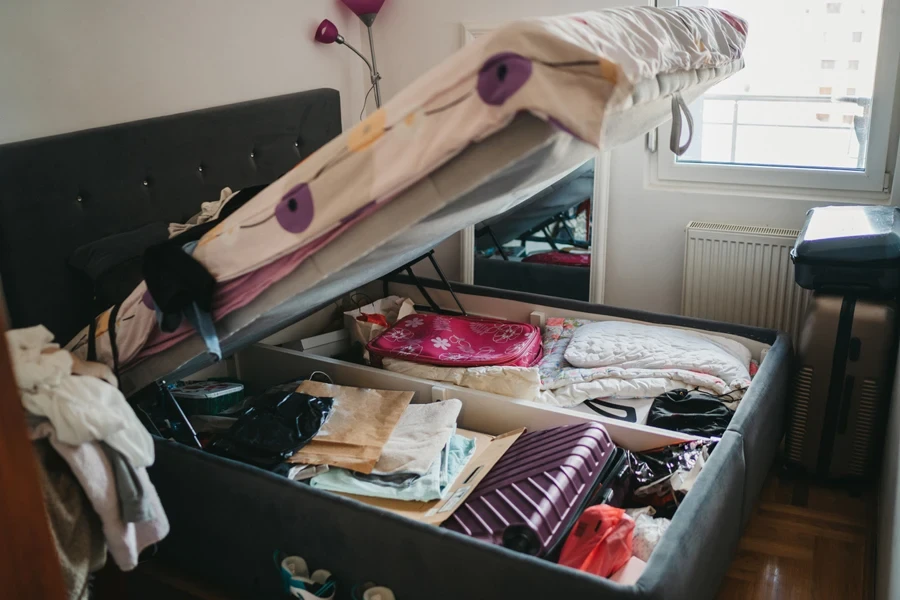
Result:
<point x="571" y="71"/>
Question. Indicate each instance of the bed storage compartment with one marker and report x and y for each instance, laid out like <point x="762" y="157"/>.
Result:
<point x="251" y="513"/>
<point x="217" y="504"/>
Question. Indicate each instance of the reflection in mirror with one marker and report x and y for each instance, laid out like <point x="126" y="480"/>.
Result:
<point x="543" y="245"/>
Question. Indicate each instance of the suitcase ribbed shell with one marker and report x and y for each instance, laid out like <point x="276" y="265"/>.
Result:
<point x="533" y="495"/>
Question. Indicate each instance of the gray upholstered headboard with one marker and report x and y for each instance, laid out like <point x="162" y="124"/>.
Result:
<point x="62" y="192"/>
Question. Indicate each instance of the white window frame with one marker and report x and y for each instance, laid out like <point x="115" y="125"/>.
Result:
<point x="875" y="178"/>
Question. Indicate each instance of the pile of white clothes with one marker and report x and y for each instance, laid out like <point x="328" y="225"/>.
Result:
<point x="77" y="406"/>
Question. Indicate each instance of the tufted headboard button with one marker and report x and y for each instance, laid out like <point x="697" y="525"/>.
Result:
<point x="89" y="185"/>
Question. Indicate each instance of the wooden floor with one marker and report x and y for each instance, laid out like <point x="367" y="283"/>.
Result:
<point x="803" y="542"/>
<point x="806" y="541"/>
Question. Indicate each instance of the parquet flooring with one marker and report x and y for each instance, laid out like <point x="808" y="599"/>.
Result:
<point x="805" y="542"/>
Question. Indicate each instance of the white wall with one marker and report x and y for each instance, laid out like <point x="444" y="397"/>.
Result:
<point x="646" y="226"/>
<point x="67" y="65"/>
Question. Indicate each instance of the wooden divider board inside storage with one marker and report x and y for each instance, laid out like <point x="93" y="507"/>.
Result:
<point x="263" y="366"/>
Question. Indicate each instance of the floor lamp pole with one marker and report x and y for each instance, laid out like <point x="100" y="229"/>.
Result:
<point x="376" y="77"/>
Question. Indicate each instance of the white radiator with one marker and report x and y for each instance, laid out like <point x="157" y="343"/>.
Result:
<point x="742" y="274"/>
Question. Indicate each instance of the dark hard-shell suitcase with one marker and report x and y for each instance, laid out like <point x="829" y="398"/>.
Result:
<point x="849" y="249"/>
<point x="842" y="386"/>
<point x="532" y="497"/>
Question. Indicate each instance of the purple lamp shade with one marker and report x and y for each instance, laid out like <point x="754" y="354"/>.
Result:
<point x="366" y="10"/>
<point x="327" y="32"/>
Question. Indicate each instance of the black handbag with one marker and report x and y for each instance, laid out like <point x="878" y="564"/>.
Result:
<point x="278" y="424"/>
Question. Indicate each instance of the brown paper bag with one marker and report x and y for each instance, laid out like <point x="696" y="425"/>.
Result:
<point x="393" y="308"/>
<point x="360" y="424"/>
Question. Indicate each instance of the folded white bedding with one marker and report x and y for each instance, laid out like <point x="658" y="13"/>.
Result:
<point x="633" y="346"/>
<point x="636" y="361"/>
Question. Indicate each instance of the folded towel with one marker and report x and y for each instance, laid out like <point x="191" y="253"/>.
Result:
<point x="419" y="437"/>
<point x="431" y="486"/>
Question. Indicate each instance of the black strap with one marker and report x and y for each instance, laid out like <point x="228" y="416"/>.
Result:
<point x="113" y="346"/>
<point x="837" y="386"/>
<point x="630" y="412"/>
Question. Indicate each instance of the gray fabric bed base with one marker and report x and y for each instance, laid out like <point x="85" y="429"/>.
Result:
<point x="227" y="518"/>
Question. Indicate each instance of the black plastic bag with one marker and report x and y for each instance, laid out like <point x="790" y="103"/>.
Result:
<point x="661" y="478"/>
<point x="691" y="412"/>
<point x="278" y="424"/>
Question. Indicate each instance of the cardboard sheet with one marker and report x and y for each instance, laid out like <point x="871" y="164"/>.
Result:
<point x="488" y="450"/>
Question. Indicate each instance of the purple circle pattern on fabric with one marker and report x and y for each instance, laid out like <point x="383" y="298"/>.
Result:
<point x="147" y="300"/>
<point x="295" y="211"/>
<point x="502" y="76"/>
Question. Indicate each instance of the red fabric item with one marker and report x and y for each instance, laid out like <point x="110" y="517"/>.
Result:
<point x="376" y="318"/>
<point x="459" y="342"/>
<point x="754" y="368"/>
<point x="600" y="543"/>
<point x="558" y="257"/>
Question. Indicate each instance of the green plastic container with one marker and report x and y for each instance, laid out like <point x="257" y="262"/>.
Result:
<point x="210" y="397"/>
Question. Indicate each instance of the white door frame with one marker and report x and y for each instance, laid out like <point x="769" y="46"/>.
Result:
<point x="599" y="207"/>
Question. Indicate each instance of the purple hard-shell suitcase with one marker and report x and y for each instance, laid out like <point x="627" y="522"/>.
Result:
<point x="532" y="497"/>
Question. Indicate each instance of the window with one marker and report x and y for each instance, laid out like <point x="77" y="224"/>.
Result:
<point x="856" y="37"/>
<point x="797" y="128"/>
<point x="833" y="8"/>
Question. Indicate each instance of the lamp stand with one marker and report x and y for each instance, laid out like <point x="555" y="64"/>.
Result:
<point x="376" y="76"/>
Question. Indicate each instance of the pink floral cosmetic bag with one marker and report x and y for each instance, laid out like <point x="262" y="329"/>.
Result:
<point x="459" y="342"/>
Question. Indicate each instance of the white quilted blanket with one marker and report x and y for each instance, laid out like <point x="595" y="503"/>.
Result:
<point x="635" y="351"/>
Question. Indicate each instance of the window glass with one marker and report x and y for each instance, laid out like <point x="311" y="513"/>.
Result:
<point x="781" y="110"/>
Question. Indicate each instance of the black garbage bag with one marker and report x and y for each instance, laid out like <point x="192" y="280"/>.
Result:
<point x="278" y="424"/>
<point x="691" y="412"/>
<point x="662" y="477"/>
